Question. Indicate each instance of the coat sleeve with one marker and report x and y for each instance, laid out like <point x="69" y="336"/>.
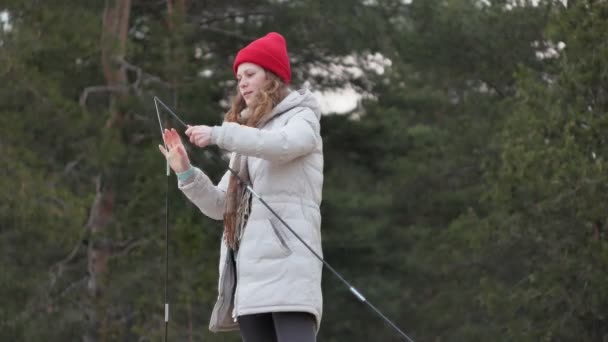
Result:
<point x="297" y="138"/>
<point x="205" y="195"/>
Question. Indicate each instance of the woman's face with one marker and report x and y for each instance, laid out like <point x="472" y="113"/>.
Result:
<point x="251" y="78"/>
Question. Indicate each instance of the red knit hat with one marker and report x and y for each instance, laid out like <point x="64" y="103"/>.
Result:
<point x="269" y="52"/>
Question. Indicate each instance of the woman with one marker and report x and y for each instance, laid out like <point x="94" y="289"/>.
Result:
<point x="270" y="283"/>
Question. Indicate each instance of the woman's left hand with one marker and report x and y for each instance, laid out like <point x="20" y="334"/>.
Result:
<point x="199" y="135"/>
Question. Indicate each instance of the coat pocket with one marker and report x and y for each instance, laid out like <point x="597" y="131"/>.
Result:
<point x="279" y="228"/>
<point x="263" y="239"/>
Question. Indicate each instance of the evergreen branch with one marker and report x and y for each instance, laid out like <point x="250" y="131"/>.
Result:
<point x="43" y="305"/>
<point x="232" y="34"/>
<point x="207" y="19"/>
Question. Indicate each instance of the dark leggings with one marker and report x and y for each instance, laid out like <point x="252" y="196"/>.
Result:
<point x="278" y="327"/>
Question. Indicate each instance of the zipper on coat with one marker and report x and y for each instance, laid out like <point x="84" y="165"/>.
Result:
<point x="235" y="259"/>
<point x="236" y="287"/>
<point x="220" y="294"/>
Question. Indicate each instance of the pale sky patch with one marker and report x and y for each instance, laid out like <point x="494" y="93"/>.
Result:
<point x="338" y="101"/>
<point x="346" y="99"/>
<point x="5" y="21"/>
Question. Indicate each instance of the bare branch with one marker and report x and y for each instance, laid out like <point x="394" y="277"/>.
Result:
<point x="71" y="287"/>
<point x="71" y="165"/>
<point x="98" y="89"/>
<point x="143" y="78"/>
<point x="125" y="247"/>
<point x="56" y="271"/>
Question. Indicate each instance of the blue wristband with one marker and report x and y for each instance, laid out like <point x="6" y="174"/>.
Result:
<point x="182" y="176"/>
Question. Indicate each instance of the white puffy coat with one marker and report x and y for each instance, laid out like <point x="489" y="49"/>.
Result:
<point x="274" y="270"/>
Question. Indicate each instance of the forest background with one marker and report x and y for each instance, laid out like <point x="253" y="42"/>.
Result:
<point x="464" y="195"/>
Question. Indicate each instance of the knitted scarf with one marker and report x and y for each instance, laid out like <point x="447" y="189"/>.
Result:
<point x="238" y="202"/>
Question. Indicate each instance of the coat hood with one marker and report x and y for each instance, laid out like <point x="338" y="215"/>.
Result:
<point x="298" y="98"/>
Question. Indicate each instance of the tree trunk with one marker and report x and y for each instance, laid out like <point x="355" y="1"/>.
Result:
<point x="113" y="46"/>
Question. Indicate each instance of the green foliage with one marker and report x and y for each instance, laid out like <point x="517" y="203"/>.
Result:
<point x="464" y="198"/>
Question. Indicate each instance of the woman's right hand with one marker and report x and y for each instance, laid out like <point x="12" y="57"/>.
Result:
<point x="175" y="153"/>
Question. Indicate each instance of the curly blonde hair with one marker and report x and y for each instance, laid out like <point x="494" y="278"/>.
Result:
<point x="273" y="92"/>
